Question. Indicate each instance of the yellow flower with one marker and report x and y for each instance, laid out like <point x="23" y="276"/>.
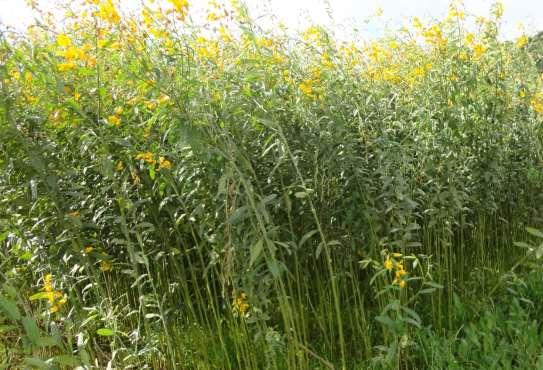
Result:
<point x="48" y="283"/>
<point x="73" y="53"/>
<point x="455" y="13"/>
<point x="119" y="166"/>
<point x="498" y="9"/>
<point x="306" y="87"/>
<point x="240" y="304"/>
<point x="55" y="298"/>
<point x="63" y="67"/>
<point x="400" y="271"/>
<point x="147" y="157"/>
<point x="114" y="120"/>
<point x="417" y="23"/>
<point x="537" y="103"/>
<point x="73" y="214"/>
<point x="88" y="249"/>
<point x="135" y="178"/>
<point x="164" y="163"/>
<point x="402" y="284"/>
<point x="181" y="6"/>
<point x="105" y="266"/>
<point x="388" y="264"/>
<point x="522" y="41"/>
<point x="470" y="39"/>
<point x="479" y="50"/>
<point x="64" y="40"/>
<point x="107" y="12"/>
<point x="211" y="16"/>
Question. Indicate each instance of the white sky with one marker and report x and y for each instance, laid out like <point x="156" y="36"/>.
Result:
<point x="346" y="14"/>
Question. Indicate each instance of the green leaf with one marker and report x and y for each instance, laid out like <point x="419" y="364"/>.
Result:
<point x="37" y="363"/>
<point x="26" y="256"/>
<point x="67" y="360"/>
<point x="105" y="332"/>
<point x="31" y="329"/>
<point x="385" y="320"/>
<point x="535" y="232"/>
<point x="10" y="309"/>
<point x="523" y="245"/>
<point x="40" y="295"/>
<point x="256" y="251"/>
<point x="10" y="290"/>
<point x="7" y="328"/>
<point x="307" y="236"/>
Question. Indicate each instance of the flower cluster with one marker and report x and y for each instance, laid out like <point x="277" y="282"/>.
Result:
<point x="395" y="263"/>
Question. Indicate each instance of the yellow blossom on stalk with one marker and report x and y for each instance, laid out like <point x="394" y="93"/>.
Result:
<point x="105" y="266"/>
<point x="164" y="163"/>
<point x="163" y="99"/>
<point x="326" y="61"/>
<point x="264" y="42"/>
<point x="240" y="304"/>
<point x="73" y="53"/>
<point x="14" y="74"/>
<point x="306" y="87"/>
<point x="64" y="67"/>
<point x="388" y="264"/>
<point x="107" y="12"/>
<point x="150" y="104"/>
<point x="419" y="72"/>
<point x="537" y="102"/>
<point x="212" y="17"/>
<point x="64" y="40"/>
<point x="434" y="36"/>
<point x="417" y="23"/>
<point x="470" y="39"/>
<point x="88" y="249"/>
<point x="119" y="166"/>
<point x="77" y="96"/>
<point x="402" y="284"/>
<point x="55" y="298"/>
<point x="135" y="178"/>
<point x="400" y="270"/>
<point x="224" y="34"/>
<point x="479" y="50"/>
<point x="28" y="77"/>
<point x="114" y="120"/>
<point x="521" y="41"/>
<point x="393" y="44"/>
<point x="312" y="34"/>
<point x="147" y="157"/>
<point x="379" y="11"/>
<point x="455" y="13"/>
<point x="498" y="9"/>
<point x="181" y="6"/>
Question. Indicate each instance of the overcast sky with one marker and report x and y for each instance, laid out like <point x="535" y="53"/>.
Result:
<point x="346" y="14"/>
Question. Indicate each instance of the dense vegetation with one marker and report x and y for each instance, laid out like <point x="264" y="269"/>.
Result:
<point x="227" y="197"/>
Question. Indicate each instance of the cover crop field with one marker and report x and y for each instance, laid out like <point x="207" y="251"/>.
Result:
<point x="177" y="195"/>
